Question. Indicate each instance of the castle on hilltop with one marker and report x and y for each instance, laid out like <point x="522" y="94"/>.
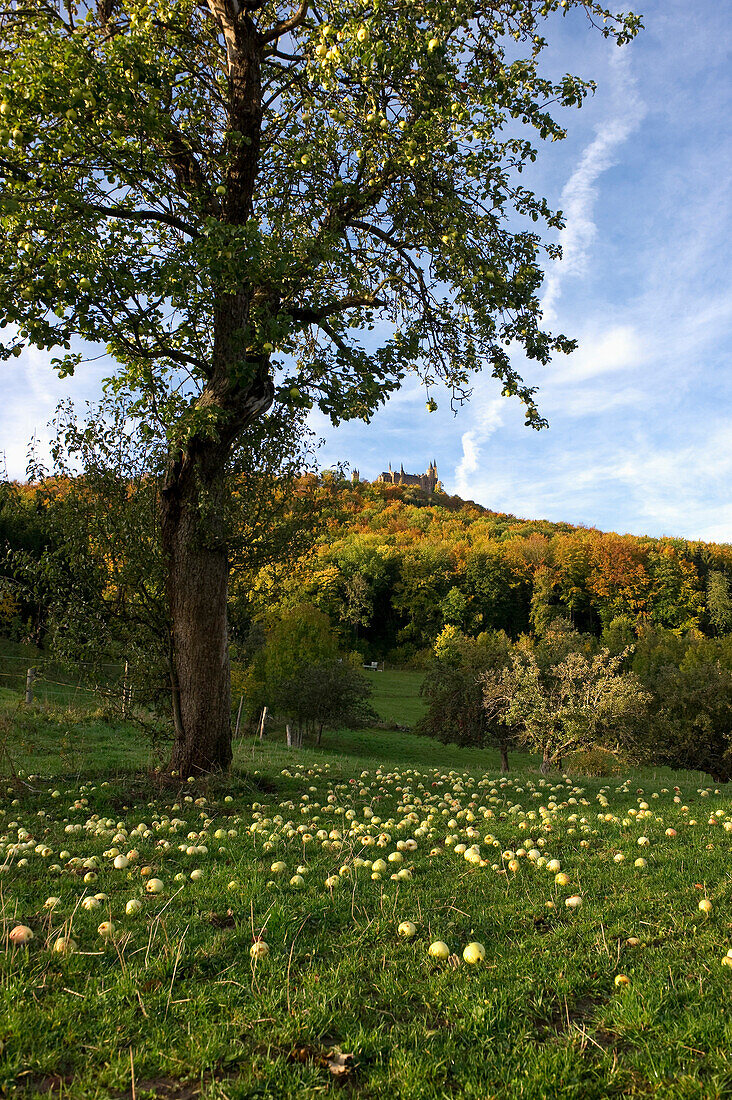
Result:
<point x="428" y="482"/>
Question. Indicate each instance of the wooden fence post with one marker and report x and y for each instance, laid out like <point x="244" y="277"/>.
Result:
<point x="124" y="690"/>
<point x="238" y="718"/>
<point x="261" y="724"/>
<point x="29" y="678"/>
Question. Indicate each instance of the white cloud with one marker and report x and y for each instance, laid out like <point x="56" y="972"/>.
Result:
<point x="597" y="401"/>
<point x="618" y="348"/>
<point x="469" y="462"/>
<point x="579" y="193"/>
<point x="655" y="487"/>
<point x="30" y="397"/>
<point x="487" y="420"/>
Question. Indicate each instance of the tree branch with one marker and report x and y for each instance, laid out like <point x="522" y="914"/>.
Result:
<point x="399" y="247"/>
<point x="143" y="216"/>
<point x="351" y="301"/>
<point x="339" y="342"/>
<point x="287" y="25"/>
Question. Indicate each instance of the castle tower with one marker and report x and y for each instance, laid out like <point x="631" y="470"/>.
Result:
<point x="428" y="481"/>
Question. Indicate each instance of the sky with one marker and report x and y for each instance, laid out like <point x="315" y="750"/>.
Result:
<point x="640" y="431"/>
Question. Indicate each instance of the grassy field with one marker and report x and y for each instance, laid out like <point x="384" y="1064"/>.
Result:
<point x="623" y="994"/>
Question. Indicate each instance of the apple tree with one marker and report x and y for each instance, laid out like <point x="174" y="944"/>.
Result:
<point x="223" y="193"/>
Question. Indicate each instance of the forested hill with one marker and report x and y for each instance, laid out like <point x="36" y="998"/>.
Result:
<point x="390" y="565"/>
<point x="393" y="566"/>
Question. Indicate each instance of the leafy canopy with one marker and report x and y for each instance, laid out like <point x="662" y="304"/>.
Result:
<point x="213" y="190"/>
<point x="453" y="688"/>
<point x="560" y="698"/>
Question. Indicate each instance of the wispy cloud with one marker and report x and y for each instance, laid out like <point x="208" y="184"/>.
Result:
<point x="488" y="419"/>
<point x="615" y="349"/>
<point x="657" y="489"/>
<point x="618" y="348"/>
<point x="580" y="192"/>
<point x="31" y="394"/>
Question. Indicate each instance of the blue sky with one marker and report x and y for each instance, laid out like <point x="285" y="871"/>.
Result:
<point x="640" y="437"/>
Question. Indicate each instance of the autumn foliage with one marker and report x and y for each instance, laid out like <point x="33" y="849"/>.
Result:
<point x="395" y="567"/>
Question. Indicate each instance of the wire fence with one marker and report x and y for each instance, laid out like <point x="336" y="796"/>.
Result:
<point x="38" y="676"/>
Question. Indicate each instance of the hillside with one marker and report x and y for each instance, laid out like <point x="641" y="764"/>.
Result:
<point x="392" y="566"/>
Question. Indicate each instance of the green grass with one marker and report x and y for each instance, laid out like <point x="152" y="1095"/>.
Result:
<point x="396" y="696"/>
<point x="175" y="999"/>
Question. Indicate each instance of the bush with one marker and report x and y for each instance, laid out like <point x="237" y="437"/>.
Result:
<point x="330" y="693"/>
<point x="561" y="698"/>
<point x="400" y="655"/>
<point x="454" y="690"/>
<point x="691" y="720"/>
<point x="594" y="762"/>
<point x="301" y="675"/>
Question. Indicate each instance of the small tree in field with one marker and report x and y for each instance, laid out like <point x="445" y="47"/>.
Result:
<point x="453" y="688"/>
<point x="301" y="674"/>
<point x="566" y="707"/>
<point x="690" y="724"/>
<point x="691" y="721"/>
<point x="222" y="193"/>
<point x="327" y="694"/>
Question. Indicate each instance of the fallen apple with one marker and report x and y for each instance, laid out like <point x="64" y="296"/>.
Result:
<point x="474" y="953"/>
<point x="22" y="935"/>
<point x="440" y="950"/>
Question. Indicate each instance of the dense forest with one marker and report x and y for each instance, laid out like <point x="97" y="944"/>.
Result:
<point x="392" y="567"/>
<point x="533" y="634"/>
<point x="389" y="565"/>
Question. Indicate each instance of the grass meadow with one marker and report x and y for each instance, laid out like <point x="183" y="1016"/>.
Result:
<point x="125" y="991"/>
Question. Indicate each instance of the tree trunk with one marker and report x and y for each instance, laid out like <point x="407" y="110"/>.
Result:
<point x="503" y="749"/>
<point x="546" y="763"/>
<point x="238" y="391"/>
<point x="198" y="570"/>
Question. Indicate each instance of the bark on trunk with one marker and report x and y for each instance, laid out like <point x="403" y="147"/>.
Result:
<point x="504" y="758"/>
<point x="238" y="391"/>
<point x="197" y="592"/>
<point x="546" y="764"/>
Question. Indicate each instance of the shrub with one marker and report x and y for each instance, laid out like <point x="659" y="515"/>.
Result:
<point x="594" y="762"/>
<point x="691" y="720"/>
<point x="454" y="690"/>
<point x="562" y="707"/>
